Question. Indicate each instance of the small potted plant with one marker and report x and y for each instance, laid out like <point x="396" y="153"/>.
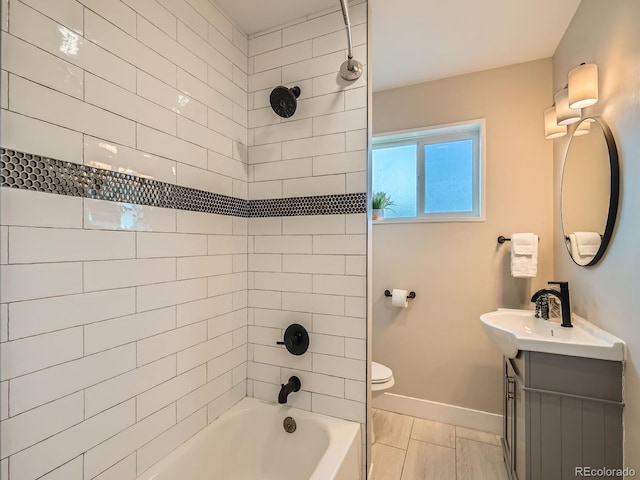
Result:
<point x="379" y="202"/>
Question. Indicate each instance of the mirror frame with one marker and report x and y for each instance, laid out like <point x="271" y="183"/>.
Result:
<point x="614" y="193"/>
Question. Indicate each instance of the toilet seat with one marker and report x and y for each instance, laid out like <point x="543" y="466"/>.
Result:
<point x="380" y="373"/>
<point x="381" y="377"/>
<point x="381" y="380"/>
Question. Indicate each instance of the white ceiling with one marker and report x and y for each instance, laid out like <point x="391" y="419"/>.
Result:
<point x="420" y="40"/>
<point x="257" y="15"/>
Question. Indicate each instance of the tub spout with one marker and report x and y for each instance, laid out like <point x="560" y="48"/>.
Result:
<point x="292" y="386"/>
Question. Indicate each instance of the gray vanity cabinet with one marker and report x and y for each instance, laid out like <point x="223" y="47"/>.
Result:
<point x="561" y="412"/>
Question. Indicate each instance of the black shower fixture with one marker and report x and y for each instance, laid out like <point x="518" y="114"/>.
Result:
<point x="296" y="339"/>
<point x="284" y="100"/>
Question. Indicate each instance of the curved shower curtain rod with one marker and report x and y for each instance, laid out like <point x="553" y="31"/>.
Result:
<point x="351" y="69"/>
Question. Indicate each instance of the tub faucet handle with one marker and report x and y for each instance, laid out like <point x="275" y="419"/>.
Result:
<point x="296" y="339"/>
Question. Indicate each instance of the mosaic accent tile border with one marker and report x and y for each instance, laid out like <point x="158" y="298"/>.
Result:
<point x="33" y="172"/>
<point x="317" y="205"/>
<point x="42" y="174"/>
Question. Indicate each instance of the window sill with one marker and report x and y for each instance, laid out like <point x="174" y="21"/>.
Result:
<point x="392" y="221"/>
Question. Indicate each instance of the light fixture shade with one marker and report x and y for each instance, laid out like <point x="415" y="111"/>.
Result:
<point x="583" y="128"/>
<point x="551" y="128"/>
<point x="583" y="86"/>
<point x="564" y="114"/>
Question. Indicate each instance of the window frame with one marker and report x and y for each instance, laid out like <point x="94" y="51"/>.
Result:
<point x="471" y="129"/>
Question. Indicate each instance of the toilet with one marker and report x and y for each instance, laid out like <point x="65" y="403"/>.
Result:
<point x="381" y="380"/>
<point x="381" y="377"/>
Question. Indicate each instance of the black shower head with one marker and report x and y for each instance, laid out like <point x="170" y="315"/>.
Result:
<point x="284" y="100"/>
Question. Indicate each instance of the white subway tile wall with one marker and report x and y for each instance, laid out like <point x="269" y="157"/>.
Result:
<point x="125" y="328"/>
<point x="309" y="269"/>
<point x="119" y="341"/>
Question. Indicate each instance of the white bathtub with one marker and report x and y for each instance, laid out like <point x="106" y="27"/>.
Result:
<point x="249" y="443"/>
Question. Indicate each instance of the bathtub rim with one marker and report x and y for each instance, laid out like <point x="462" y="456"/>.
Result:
<point x="344" y="436"/>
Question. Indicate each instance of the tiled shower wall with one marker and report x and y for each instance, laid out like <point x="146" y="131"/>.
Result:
<point x="123" y="326"/>
<point x="309" y="269"/>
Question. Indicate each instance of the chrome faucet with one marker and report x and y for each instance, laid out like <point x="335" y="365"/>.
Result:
<point x="562" y="295"/>
<point x="292" y="386"/>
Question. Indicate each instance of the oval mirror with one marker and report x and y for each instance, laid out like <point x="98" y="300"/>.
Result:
<point x="589" y="194"/>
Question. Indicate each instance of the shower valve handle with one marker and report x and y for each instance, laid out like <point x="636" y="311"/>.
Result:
<point x="296" y="339"/>
<point x="291" y="341"/>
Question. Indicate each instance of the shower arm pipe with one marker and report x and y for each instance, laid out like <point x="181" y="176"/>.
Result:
<point x="347" y="24"/>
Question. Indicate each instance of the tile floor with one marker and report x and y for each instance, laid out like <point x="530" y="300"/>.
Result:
<point x="409" y="448"/>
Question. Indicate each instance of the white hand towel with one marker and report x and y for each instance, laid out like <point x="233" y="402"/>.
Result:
<point x="588" y="243"/>
<point x="574" y="247"/>
<point x="524" y="255"/>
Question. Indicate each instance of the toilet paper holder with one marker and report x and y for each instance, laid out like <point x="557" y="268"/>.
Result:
<point x="411" y="295"/>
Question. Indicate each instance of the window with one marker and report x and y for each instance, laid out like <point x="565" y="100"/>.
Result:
<point x="431" y="175"/>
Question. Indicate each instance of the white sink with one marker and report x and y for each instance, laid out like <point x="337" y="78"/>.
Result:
<point x="514" y="330"/>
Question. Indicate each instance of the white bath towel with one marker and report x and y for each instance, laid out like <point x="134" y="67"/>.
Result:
<point x="588" y="242"/>
<point x="524" y="255"/>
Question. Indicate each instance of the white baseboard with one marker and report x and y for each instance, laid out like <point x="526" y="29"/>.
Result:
<point x="439" y="412"/>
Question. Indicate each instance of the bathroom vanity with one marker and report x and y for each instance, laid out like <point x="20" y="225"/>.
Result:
<point x="561" y="412"/>
<point x="562" y="395"/>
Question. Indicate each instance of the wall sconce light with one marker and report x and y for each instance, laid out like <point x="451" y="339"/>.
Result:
<point x="566" y="115"/>
<point x="583" y="85"/>
<point x="583" y="128"/>
<point x="551" y="127"/>
<point x="581" y="91"/>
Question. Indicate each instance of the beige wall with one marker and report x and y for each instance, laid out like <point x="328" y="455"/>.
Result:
<point x="436" y="347"/>
<point x="607" y="33"/>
